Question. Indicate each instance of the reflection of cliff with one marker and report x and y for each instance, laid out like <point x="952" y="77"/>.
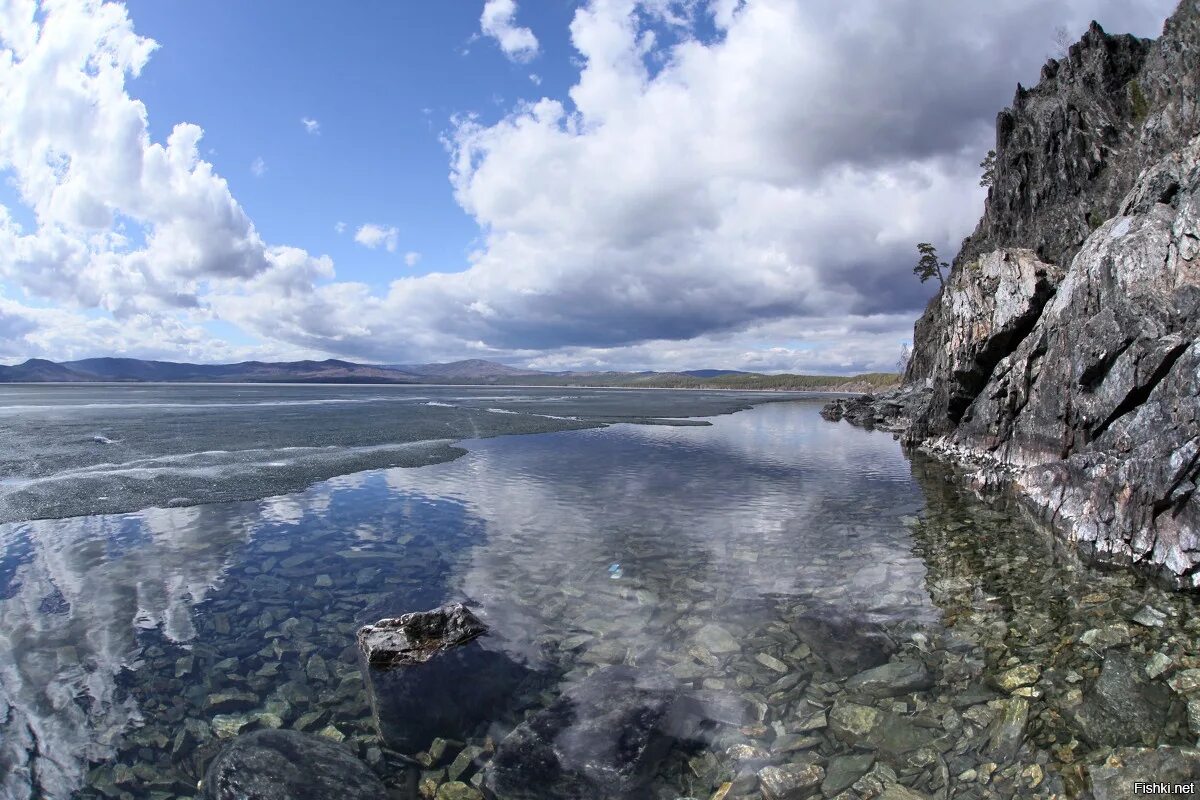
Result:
<point x="70" y="627"/>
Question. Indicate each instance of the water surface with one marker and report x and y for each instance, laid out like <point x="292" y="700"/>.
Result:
<point x="132" y="645"/>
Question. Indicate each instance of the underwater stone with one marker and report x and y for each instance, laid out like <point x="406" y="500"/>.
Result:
<point x="286" y="765"/>
<point x="842" y="771"/>
<point x="428" y="675"/>
<point x="891" y="679"/>
<point x="1116" y="778"/>
<point x="790" y="781"/>
<point x="1007" y="730"/>
<point x="1124" y="707"/>
<point x="603" y="737"/>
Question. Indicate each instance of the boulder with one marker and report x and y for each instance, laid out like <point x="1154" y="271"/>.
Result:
<point x="289" y="765"/>
<point x="891" y="679"/>
<point x="418" y="637"/>
<point x="1124" y="707"/>
<point x="429" y="675"/>
<point x="602" y="738"/>
<point x="870" y="728"/>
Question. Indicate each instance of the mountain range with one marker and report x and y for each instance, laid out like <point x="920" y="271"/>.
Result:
<point x="470" y="371"/>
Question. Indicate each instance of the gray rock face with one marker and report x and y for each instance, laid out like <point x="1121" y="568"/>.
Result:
<point x="428" y="675"/>
<point x="603" y="738"/>
<point x="1062" y="359"/>
<point x="288" y="765"/>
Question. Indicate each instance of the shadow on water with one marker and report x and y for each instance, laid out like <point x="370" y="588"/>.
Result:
<point x="778" y="592"/>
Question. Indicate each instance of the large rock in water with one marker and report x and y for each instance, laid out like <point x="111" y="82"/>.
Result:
<point x="1118" y="777"/>
<point x="289" y="765"/>
<point x="1062" y="358"/>
<point x="1124" y="707"/>
<point x="428" y="675"/>
<point x="601" y="740"/>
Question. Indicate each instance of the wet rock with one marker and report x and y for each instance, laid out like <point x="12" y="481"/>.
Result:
<point x="1023" y="675"/>
<point x="1150" y="616"/>
<point x="847" y="646"/>
<point x="898" y="791"/>
<point x="1118" y="776"/>
<point x="456" y="790"/>
<point x="604" y="737"/>
<point x="1007" y="729"/>
<point x="717" y="640"/>
<point x="286" y="765"/>
<point x="790" y="781"/>
<point x="417" y="637"/>
<point x="876" y="729"/>
<point x="842" y="771"/>
<point x="715" y="705"/>
<point x="1124" y="707"/>
<point x="429" y="675"/>
<point x="893" y="678"/>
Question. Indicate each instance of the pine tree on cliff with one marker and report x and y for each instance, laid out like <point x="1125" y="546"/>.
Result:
<point x="928" y="265"/>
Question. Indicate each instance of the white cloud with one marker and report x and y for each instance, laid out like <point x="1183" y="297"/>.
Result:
<point x="499" y="22"/>
<point x="374" y="236"/>
<point x="340" y="227"/>
<point x="311" y="125"/>
<point x="412" y="258"/>
<point x="258" y="167"/>
<point x="78" y="151"/>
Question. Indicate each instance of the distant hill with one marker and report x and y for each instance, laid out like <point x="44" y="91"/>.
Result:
<point x="37" y="370"/>
<point x="713" y="373"/>
<point x="470" y="372"/>
<point x="470" y="368"/>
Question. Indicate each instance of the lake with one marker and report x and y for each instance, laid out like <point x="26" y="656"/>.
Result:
<point x="182" y="564"/>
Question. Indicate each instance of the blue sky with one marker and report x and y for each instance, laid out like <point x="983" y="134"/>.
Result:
<point x="583" y="184"/>
<point x="381" y="79"/>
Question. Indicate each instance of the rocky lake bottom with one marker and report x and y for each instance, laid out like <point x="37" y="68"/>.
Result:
<point x="829" y="616"/>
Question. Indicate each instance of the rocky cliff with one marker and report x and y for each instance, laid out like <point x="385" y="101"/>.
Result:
<point x="1062" y="358"/>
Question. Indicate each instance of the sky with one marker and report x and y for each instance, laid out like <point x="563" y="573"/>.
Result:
<point x="558" y="184"/>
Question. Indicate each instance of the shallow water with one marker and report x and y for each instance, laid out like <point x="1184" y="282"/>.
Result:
<point x="764" y="557"/>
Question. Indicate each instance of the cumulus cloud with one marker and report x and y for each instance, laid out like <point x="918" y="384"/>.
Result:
<point x="339" y="227"/>
<point x="121" y="223"/>
<point x="412" y="258"/>
<point x="748" y="198"/>
<point x="374" y="236"/>
<point x="311" y="125"/>
<point x="258" y="167"/>
<point x="498" y="21"/>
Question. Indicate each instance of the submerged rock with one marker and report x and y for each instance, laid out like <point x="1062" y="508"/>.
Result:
<point x="1124" y="707"/>
<point x="1118" y="776"/>
<point x="794" y="781"/>
<point x="847" y="646"/>
<point x="428" y="676"/>
<point x="894" y="678"/>
<point x="603" y="738"/>
<point x="870" y="728"/>
<point x="417" y="637"/>
<point x="288" y="765"/>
